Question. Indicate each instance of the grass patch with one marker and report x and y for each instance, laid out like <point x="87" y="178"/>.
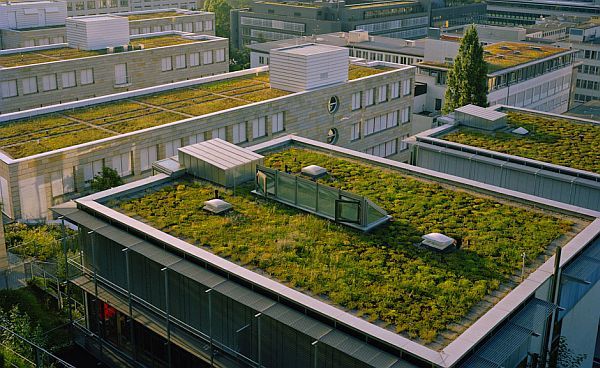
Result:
<point x="381" y="276"/>
<point x="144" y="122"/>
<point x="164" y="14"/>
<point x="557" y="141"/>
<point x="161" y="41"/>
<point x="357" y="71"/>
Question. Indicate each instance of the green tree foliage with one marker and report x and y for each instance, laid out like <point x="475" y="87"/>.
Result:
<point x="108" y="178"/>
<point x="221" y="8"/>
<point x="467" y="79"/>
<point x="239" y="59"/>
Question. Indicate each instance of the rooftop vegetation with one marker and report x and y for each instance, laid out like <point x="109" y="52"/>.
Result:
<point x="163" y="14"/>
<point x="504" y="55"/>
<point x="30" y="136"/>
<point x="65" y="53"/>
<point x="557" y="141"/>
<point x="381" y="276"/>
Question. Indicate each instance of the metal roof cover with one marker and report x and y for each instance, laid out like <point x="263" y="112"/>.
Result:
<point x="219" y="161"/>
<point x="155" y="253"/>
<point x="197" y="273"/>
<point x="482" y="112"/>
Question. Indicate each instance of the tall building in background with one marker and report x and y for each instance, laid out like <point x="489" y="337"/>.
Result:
<point x="272" y="20"/>
<point x="526" y="12"/>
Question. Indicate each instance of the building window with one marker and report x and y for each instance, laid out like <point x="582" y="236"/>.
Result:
<point x="395" y="90"/>
<point x="68" y="79"/>
<point x="405" y="113"/>
<point x="239" y="133"/>
<point x="207" y="57"/>
<point x="333" y="104"/>
<point x="220" y="55"/>
<point x="172" y="147"/>
<point x="355" y="132"/>
<point x="332" y="136"/>
<point x="49" y="82"/>
<point x="120" y="74"/>
<point x="9" y="88"/>
<point x="356" y="101"/>
<point x="259" y="127"/>
<point x="91" y="4"/>
<point x="382" y="94"/>
<point x="406" y="87"/>
<point x="86" y="76"/>
<point x="198" y="26"/>
<point x="91" y="169"/>
<point x="166" y="64"/>
<point x="30" y="85"/>
<point x="208" y="25"/>
<point x="197" y="138"/>
<point x="62" y="182"/>
<point x="370" y="97"/>
<point x="220" y="133"/>
<point x="403" y="144"/>
<point x="28" y="43"/>
<point x="147" y="157"/>
<point x="384" y="149"/>
<point x="380" y="122"/>
<point x="179" y="61"/>
<point x="195" y="59"/>
<point x="261" y="60"/>
<point x="277" y="122"/>
<point x="188" y="27"/>
<point x="59" y="39"/>
<point x="122" y="164"/>
<point x="43" y="41"/>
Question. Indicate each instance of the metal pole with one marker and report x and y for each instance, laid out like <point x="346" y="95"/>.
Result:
<point x="314" y="344"/>
<point x="257" y="316"/>
<point x="64" y="241"/>
<point x="100" y="322"/>
<point x="128" y="275"/>
<point x="210" y="334"/>
<point x="166" y="273"/>
<point x="553" y="296"/>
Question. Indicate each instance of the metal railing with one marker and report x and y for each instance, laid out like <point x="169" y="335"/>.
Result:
<point x="17" y="351"/>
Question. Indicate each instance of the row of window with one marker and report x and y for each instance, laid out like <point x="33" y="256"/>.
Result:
<point x="382" y="56"/>
<point x="589" y="69"/>
<point x="268" y="35"/>
<point x="42" y="41"/>
<point x="380" y="123"/>
<point x="49" y="82"/>
<point x="585" y="98"/>
<point x="182" y="61"/>
<point x="589" y="54"/>
<point x="388" y="148"/>
<point x="63" y="182"/>
<point x="408" y="33"/>
<point x="587" y="84"/>
<point x="534" y="94"/>
<point x="93" y="4"/>
<point x="529" y="72"/>
<point x="394" y="24"/>
<point x="380" y="94"/>
<point x="272" y="23"/>
<point x="392" y="12"/>
<point x="189" y="27"/>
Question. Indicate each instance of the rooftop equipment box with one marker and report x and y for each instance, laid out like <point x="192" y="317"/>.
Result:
<point x="480" y="117"/>
<point x="308" y="66"/>
<point x="97" y="32"/>
<point x="32" y="14"/>
<point x="220" y="162"/>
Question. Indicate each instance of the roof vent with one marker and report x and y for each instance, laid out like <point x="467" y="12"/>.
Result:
<point x="521" y="131"/>
<point x="505" y="48"/>
<point x="439" y="242"/>
<point x="217" y="206"/>
<point x="480" y="117"/>
<point x="314" y="171"/>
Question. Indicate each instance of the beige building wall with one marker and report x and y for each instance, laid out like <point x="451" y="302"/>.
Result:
<point x="12" y="38"/>
<point x="305" y="114"/>
<point x="202" y="23"/>
<point x="144" y="69"/>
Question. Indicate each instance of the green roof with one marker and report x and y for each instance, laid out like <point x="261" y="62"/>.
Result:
<point x="381" y="276"/>
<point x="30" y="136"/>
<point x="163" y="14"/>
<point x="559" y="141"/>
<point x="66" y="53"/>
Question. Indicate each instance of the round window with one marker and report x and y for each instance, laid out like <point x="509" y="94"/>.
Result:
<point x="333" y="105"/>
<point x="332" y="136"/>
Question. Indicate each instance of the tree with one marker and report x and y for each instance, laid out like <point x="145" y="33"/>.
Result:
<point x="467" y="79"/>
<point x="239" y="59"/>
<point x="221" y="9"/>
<point x="107" y="179"/>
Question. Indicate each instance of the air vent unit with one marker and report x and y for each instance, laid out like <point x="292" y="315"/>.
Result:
<point x="521" y="131"/>
<point x="480" y="117"/>
<point x="437" y="241"/>
<point x="314" y="171"/>
<point x="217" y="206"/>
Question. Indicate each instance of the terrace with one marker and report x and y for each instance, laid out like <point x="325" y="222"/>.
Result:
<point x="557" y="141"/>
<point x="30" y="136"/>
<point x="380" y="276"/>
<point x="67" y="53"/>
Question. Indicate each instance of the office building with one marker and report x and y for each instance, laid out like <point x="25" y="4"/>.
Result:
<point x="50" y="154"/>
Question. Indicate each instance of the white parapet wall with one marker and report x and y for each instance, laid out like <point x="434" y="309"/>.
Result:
<point x="32" y="14"/>
<point x="308" y="66"/>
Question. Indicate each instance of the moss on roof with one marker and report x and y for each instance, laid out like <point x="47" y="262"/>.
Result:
<point x="381" y="276"/>
<point x="557" y="141"/>
<point x="163" y="14"/>
<point x="504" y="55"/>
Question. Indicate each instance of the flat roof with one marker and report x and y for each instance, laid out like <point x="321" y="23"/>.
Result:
<point x="69" y="127"/>
<point x="503" y="55"/>
<point x="8" y="60"/>
<point x="588" y="110"/>
<point x="553" y="139"/>
<point x="153" y="15"/>
<point x="308" y="49"/>
<point x="381" y="276"/>
<point x="96" y="18"/>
